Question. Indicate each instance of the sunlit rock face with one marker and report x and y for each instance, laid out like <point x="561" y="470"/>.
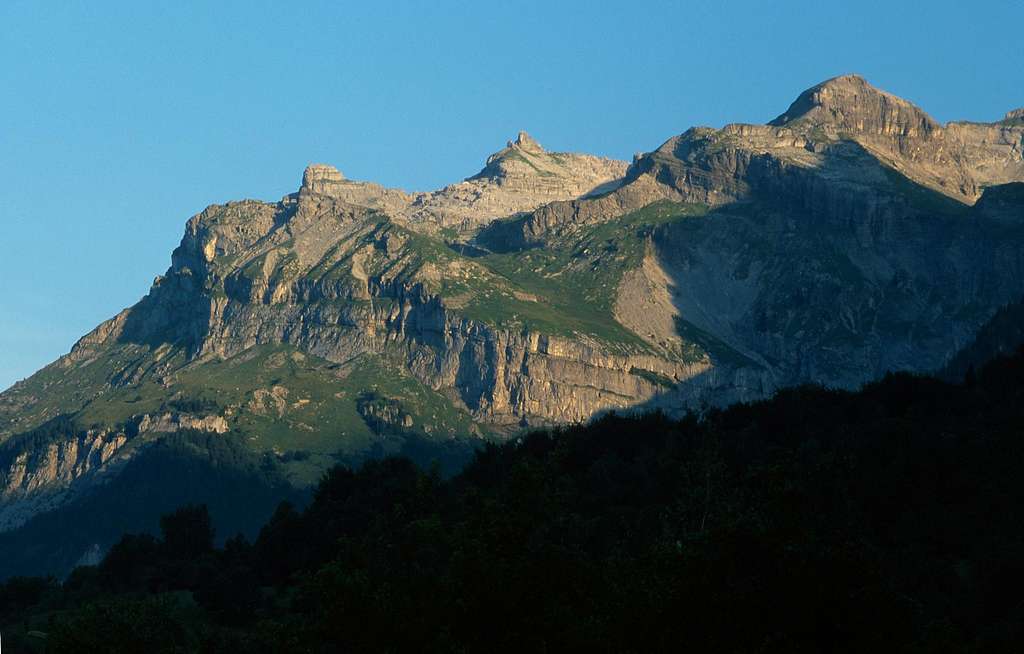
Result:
<point x="520" y="177"/>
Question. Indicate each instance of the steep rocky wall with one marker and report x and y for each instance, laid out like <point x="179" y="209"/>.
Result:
<point x="838" y="301"/>
<point x="499" y="375"/>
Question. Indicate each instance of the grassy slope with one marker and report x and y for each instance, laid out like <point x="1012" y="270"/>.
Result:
<point x="65" y="388"/>
<point x="309" y="421"/>
<point x="569" y="287"/>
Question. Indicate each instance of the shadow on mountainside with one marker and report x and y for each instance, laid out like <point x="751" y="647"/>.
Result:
<point x="240" y="488"/>
<point x="814" y="279"/>
<point x="176" y="311"/>
<point x="817" y="521"/>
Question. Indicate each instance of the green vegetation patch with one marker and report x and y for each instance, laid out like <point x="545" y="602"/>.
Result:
<point x="284" y="401"/>
<point x="568" y="288"/>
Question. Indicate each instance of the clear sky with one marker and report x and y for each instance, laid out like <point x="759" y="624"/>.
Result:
<point x="119" y="120"/>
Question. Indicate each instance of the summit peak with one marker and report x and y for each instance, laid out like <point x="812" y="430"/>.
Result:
<point x="319" y="173"/>
<point x="523" y="143"/>
<point x="850" y="103"/>
<point x="526" y="143"/>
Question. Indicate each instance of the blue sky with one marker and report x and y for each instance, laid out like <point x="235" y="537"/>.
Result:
<point x="120" y="120"/>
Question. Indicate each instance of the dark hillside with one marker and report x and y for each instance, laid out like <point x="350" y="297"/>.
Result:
<point x="883" y="520"/>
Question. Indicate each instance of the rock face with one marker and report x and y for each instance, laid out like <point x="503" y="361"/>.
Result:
<point x="848" y="104"/>
<point x="340" y="281"/>
<point x="849" y="236"/>
<point x="1014" y="117"/>
<point x="959" y="160"/>
<point x="841" y="142"/>
<point x="520" y="177"/>
<point x="321" y="177"/>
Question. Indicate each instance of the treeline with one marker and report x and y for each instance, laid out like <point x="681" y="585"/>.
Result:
<point x="888" y="519"/>
<point x="240" y="487"/>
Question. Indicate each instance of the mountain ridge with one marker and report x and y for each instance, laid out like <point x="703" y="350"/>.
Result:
<point x="838" y="244"/>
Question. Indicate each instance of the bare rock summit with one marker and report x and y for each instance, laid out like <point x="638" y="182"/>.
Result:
<point x="520" y="177"/>
<point x="321" y="173"/>
<point x="850" y="104"/>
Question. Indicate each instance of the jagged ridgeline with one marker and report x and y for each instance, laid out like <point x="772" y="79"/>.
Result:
<point x="850" y="236"/>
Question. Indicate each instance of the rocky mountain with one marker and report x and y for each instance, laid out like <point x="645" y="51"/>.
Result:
<point x="850" y="236"/>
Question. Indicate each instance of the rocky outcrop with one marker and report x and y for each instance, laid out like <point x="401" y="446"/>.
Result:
<point x="557" y="218"/>
<point x="518" y="178"/>
<point x="1003" y="335"/>
<point x="320" y="178"/>
<point x="644" y="304"/>
<point x="37" y="474"/>
<point x="1014" y="117"/>
<point x="958" y="159"/>
<point x="35" y="479"/>
<point x="849" y="104"/>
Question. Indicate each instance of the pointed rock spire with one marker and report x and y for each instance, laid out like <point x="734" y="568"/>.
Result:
<point x="523" y="143"/>
<point x="526" y="143"/>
